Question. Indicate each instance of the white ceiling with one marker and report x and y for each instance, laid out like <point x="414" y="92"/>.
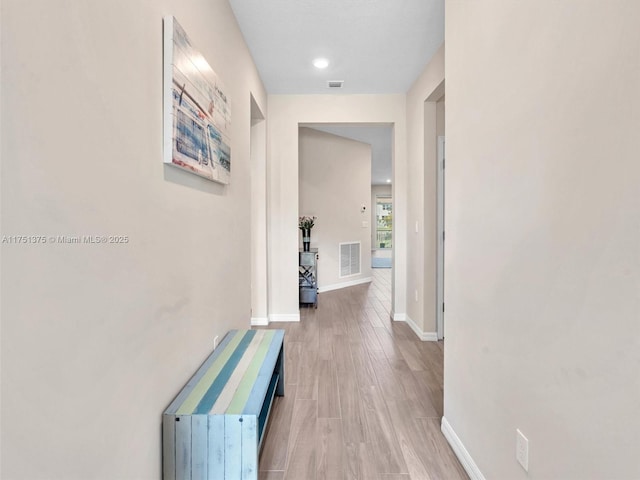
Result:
<point x="378" y="136"/>
<point x="375" y="46"/>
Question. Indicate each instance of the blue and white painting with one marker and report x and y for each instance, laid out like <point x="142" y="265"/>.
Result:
<point x="197" y="111"/>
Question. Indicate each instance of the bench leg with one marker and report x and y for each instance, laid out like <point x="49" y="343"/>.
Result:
<point x="280" y="367"/>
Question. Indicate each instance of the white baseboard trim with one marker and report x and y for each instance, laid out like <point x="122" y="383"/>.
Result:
<point x="259" y="321"/>
<point x="337" y="286"/>
<point x="399" y="317"/>
<point x="458" y="448"/>
<point x="284" y="317"/>
<point x="424" y="336"/>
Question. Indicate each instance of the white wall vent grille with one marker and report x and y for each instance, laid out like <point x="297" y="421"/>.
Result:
<point x="349" y="259"/>
<point x="335" y="83"/>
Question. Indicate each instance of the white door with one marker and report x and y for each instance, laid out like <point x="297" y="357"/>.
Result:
<point x="441" y="238"/>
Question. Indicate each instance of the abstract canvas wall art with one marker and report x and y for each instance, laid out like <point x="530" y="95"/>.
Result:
<point x="197" y="110"/>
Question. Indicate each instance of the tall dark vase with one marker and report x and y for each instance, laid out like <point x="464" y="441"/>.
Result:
<point x="306" y="238"/>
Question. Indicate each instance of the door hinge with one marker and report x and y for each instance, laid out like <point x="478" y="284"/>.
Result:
<point x="443" y="307"/>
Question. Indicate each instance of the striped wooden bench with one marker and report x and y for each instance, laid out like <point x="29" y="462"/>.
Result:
<point x="215" y="426"/>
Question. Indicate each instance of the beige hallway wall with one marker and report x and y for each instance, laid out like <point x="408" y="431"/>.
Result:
<point x="98" y="339"/>
<point x="543" y="231"/>
<point x="286" y="113"/>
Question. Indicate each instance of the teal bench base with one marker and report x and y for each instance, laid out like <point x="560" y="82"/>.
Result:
<point x="215" y="427"/>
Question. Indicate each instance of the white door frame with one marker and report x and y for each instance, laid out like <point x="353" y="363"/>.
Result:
<point x="440" y="243"/>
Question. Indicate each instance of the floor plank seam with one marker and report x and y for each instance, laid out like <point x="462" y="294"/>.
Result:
<point x="367" y="395"/>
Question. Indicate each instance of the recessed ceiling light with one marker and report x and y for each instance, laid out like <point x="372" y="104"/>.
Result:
<point x="321" y="63"/>
<point x="388" y="180"/>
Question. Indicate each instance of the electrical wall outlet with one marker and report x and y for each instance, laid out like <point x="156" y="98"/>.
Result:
<point x="215" y="341"/>
<point x="522" y="450"/>
<point x="416" y="294"/>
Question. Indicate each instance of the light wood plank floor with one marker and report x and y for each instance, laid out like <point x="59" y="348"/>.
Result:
<point x="363" y="395"/>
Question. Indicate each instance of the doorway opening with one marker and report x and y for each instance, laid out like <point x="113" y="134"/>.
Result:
<point x="331" y="182"/>
<point x="434" y="214"/>
<point x="258" y="165"/>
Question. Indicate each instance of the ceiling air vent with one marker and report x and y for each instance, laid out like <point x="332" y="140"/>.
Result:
<point x="335" y="83"/>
